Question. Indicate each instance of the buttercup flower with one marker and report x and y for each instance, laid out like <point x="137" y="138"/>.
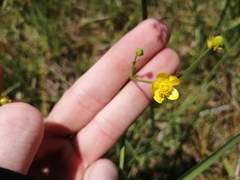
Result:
<point x="4" y="100"/>
<point x="164" y="87"/>
<point x="215" y="42"/>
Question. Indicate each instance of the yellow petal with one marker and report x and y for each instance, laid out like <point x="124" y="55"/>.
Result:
<point x="209" y="44"/>
<point x="162" y="76"/>
<point x="174" y="80"/>
<point x="158" y="97"/>
<point x="154" y="86"/>
<point x="174" y="95"/>
<point x="217" y="41"/>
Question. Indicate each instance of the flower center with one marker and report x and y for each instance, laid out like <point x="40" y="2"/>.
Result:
<point x="165" y="88"/>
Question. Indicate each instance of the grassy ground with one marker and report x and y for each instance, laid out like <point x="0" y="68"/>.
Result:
<point x="45" y="46"/>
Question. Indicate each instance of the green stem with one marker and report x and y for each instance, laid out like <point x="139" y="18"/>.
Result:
<point x="140" y="80"/>
<point x="134" y="71"/>
<point x="139" y="52"/>
<point x="11" y="88"/>
<point x="122" y="157"/>
<point x="152" y="114"/>
<point x="222" y="15"/>
<point x="194" y="65"/>
<point x="144" y="9"/>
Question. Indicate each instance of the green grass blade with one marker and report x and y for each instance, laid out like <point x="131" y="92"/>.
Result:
<point x="196" y="170"/>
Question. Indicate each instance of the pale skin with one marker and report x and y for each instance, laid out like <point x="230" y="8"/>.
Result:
<point x="93" y="109"/>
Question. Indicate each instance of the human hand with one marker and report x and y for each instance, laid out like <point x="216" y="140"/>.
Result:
<point x="93" y="109"/>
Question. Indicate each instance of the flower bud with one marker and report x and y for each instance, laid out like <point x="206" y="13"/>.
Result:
<point x="4" y="100"/>
<point x="139" y="52"/>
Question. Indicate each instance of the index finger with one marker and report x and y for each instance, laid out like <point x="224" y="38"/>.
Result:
<point x="90" y="93"/>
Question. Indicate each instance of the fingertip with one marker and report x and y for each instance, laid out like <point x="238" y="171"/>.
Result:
<point x="152" y="35"/>
<point x="102" y="169"/>
<point x="163" y="32"/>
<point x="21" y="132"/>
<point x="22" y="114"/>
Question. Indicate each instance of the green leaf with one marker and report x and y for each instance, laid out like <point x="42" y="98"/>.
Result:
<point x="196" y="170"/>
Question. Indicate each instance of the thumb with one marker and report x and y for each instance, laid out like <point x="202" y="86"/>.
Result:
<point x="21" y="132"/>
<point x="102" y="169"/>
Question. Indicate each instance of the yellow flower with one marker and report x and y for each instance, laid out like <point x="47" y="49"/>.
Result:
<point x="215" y="42"/>
<point x="4" y="100"/>
<point x="164" y="87"/>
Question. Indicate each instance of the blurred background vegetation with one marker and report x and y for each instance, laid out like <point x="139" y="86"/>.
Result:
<point x="46" y="45"/>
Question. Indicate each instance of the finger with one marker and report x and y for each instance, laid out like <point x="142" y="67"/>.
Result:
<point x="111" y="122"/>
<point x="99" y="85"/>
<point x="21" y="131"/>
<point x="102" y="169"/>
<point x="1" y="79"/>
